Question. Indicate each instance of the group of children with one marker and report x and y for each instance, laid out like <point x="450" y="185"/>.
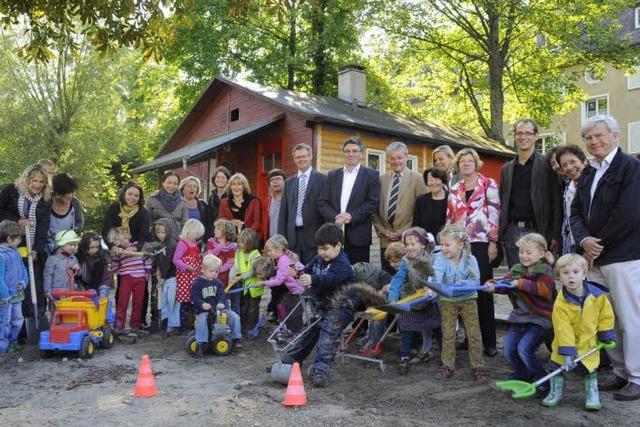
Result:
<point x="195" y="280"/>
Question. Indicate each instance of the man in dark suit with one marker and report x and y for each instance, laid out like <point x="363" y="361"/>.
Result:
<point x="350" y="199"/>
<point x="530" y="197"/>
<point x="299" y="215"/>
<point x="605" y="222"/>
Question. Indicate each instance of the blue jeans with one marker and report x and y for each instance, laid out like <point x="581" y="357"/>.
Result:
<point x="4" y="325"/>
<point x="202" y="327"/>
<point x="170" y="307"/>
<point x="234" y="302"/>
<point x="520" y="347"/>
<point x="408" y="340"/>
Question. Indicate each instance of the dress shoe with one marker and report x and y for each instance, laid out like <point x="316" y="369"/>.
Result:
<point x="490" y="351"/>
<point x="629" y="392"/>
<point x="612" y="383"/>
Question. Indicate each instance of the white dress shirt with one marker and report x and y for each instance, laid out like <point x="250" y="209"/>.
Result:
<point x="348" y="181"/>
<point x="307" y="173"/>
<point x="600" y="168"/>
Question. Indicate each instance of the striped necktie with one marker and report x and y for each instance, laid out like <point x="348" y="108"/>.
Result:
<point x="393" y="199"/>
<point x="302" y="189"/>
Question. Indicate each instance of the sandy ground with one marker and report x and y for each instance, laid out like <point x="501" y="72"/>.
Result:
<point x="236" y="390"/>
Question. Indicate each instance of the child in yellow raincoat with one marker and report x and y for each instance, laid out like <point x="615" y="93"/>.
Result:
<point x="582" y="316"/>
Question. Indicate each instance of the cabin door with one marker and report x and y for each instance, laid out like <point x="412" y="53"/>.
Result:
<point x="269" y="157"/>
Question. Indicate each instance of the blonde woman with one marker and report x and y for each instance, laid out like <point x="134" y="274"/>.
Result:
<point x="191" y="189"/>
<point x="241" y="207"/>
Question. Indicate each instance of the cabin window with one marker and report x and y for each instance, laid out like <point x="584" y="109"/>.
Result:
<point x="235" y="114"/>
<point x="376" y="159"/>
<point x="272" y="161"/>
<point x="412" y="163"/>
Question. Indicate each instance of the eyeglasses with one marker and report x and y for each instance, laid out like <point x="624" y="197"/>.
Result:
<point x="528" y="133"/>
<point x="597" y="136"/>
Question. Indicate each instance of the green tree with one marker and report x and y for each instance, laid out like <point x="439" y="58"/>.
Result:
<point x="480" y="55"/>
<point x="93" y="116"/>
<point x="108" y="24"/>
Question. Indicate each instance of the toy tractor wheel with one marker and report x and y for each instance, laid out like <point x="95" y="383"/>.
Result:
<point x="222" y="346"/>
<point x="87" y="348"/>
<point x="191" y="344"/>
<point x="46" y="354"/>
<point x="107" y="338"/>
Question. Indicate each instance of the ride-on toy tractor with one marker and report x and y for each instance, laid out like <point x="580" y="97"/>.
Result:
<point x="80" y="322"/>
<point x="220" y="342"/>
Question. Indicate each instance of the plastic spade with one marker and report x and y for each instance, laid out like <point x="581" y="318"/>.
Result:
<point x="523" y="389"/>
<point x="238" y="290"/>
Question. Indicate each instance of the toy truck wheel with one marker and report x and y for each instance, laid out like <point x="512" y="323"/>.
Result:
<point x="46" y="354"/>
<point x="87" y="348"/>
<point x="222" y="346"/>
<point x="191" y="344"/>
<point x="107" y="338"/>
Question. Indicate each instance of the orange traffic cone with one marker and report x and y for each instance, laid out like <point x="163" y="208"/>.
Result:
<point x="146" y="385"/>
<point x="295" y="395"/>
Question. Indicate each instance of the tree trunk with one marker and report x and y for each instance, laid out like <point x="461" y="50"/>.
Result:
<point x="319" y="53"/>
<point x="292" y="45"/>
<point x="496" y="75"/>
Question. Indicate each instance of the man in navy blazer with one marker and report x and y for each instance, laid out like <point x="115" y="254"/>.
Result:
<point x="299" y="215"/>
<point x="350" y="199"/>
<point x="605" y="222"/>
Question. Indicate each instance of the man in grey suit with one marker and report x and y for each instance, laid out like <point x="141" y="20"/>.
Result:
<point x="299" y="214"/>
<point x="400" y="187"/>
<point x="529" y="195"/>
<point x="350" y="199"/>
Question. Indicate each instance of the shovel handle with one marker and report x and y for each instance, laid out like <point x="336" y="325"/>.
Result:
<point x="550" y="375"/>
<point x="32" y="280"/>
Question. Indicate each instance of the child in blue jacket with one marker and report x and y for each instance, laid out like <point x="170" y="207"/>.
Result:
<point x="207" y="293"/>
<point x="13" y="281"/>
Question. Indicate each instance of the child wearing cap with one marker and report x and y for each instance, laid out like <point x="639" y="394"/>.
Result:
<point x="63" y="265"/>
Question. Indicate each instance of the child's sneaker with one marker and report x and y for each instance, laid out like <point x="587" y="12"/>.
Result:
<point x="445" y="372"/>
<point x="422" y="358"/>
<point x="237" y="345"/>
<point x="320" y="379"/>
<point x="480" y="374"/>
<point x="14" y="348"/>
<point x="403" y="367"/>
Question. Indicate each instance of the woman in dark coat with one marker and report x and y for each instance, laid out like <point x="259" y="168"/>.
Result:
<point x="26" y="203"/>
<point x="219" y="183"/>
<point x="191" y="188"/>
<point x="129" y="212"/>
<point x="430" y="210"/>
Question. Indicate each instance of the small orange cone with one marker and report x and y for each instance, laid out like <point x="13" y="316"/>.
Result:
<point x="146" y="385"/>
<point x="295" y="395"/>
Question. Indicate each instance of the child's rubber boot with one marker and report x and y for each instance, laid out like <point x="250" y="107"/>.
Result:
<point x="592" y="397"/>
<point x="199" y="354"/>
<point x="556" y="384"/>
<point x="403" y="367"/>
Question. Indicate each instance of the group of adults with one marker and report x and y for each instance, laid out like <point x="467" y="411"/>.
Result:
<point x="588" y="206"/>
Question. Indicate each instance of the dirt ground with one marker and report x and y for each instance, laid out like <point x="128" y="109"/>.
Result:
<point x="236" y="390"/>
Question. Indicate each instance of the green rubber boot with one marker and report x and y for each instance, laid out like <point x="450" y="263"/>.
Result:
<point x="556" y="385"/>
<point x="592" y="397"/>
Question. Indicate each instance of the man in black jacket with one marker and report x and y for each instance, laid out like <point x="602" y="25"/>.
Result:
<point x="350" y="199"/>
<point x="299" y="217"/>
<point x="530" y="199"/>
<point x="605" y="222"/>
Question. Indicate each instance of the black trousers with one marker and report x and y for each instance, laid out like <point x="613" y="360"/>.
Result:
<point x="306" y="253"/>
<point x="356" y="253"/>
<point x="486" y="313"/>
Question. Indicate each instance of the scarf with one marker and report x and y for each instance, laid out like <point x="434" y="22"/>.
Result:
<point x="126" y="213"/>
<point x="170" y="201"/>
<point x="238" y="211"/>
<point x="518" y="270"/>
<point x="27" y="205"/>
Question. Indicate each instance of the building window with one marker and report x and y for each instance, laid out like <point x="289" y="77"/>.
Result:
<point x="412" y="162"/>
<point x="271" y="161"/>
<point x="595" y="106"/>
<point x="376" y="159"/>
<point x="633" y="80"/>
<point x="549" y="140"/>
<point x="235" y="114"/>
<point x="634" y="137"/>
<point x="592" y="76"/>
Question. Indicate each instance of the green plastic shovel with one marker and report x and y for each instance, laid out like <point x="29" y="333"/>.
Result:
<point x="523" y="389"/>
